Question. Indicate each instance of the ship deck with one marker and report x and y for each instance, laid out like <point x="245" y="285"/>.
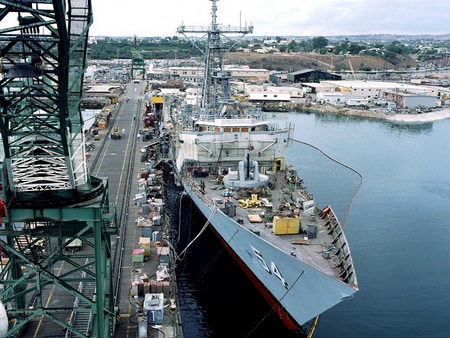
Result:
<point x="327" y="251"/>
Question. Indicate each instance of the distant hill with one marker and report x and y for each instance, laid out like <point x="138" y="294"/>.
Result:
<point x="392" y="37"/>
<point x="294" y="62"/>
<point x="371" y="37"/>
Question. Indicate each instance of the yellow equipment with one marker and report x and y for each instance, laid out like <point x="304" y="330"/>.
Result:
<point x="250" y="203"/>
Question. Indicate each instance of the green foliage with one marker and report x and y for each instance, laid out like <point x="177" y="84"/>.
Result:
<point x="319" y="42"/>
<point x="393" y="52"/>
<point x="391" y="57"/>
<point x="342" y="47"/>
<point x="435" y="53"/>
<point x="397" y="47"/>
<point x="355" y="48"/>
<point x="282" y="49"/>
<point x="293" y="46"/>
<point x="372" y="52"/>
<point x="165" y="48"/>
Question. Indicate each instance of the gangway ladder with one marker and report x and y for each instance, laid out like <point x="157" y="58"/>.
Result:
<point x="81" y="321"/>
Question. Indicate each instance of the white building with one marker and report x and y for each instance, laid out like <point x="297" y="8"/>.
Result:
<point x="170" y="91"/>
<point x="374" y="89"/>
<point x="337" y="99"/>
<point x="196" y="74"/>
<point x="248" y="74"/>
<point x="269" y="96"/>
<point x="408" y="100"/>
<point x="357" y="102"/>
<point x="404" y="95"/>
<point x="272" y="93"/>
<point x="186" y="74"/>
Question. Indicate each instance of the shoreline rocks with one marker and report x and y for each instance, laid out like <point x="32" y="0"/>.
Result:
<point x="435" y="115"/>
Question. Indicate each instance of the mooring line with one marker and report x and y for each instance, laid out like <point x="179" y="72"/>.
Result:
<point x="345" y="166"/>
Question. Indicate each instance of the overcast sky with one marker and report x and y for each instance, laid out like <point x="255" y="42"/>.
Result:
<point x="273" y="17"/>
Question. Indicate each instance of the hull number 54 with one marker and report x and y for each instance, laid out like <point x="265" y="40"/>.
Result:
<point x="273" y="269"/>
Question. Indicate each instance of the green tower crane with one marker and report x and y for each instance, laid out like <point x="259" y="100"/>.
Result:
<point x="137" y="62"/>
<point x="52" y="202"/>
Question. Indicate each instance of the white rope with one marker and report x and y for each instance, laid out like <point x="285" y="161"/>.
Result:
<point x="179" y="257"/>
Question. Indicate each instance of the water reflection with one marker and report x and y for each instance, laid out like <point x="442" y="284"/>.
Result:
<point x="413" y="128"/>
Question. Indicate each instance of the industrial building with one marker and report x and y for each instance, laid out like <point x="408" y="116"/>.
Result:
<point x="266" y="93"/>
<point x="311" y="75"/>
<point x="407" y="100"/>
<point x="196" y="74"/>
<point x="245" y="73"/>
<point x="405" y="96"/>
<point x="101" y="95"/>
<point x="186" y="74"/>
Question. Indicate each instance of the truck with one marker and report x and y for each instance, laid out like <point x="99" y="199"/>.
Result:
<point x="115" y="133"/>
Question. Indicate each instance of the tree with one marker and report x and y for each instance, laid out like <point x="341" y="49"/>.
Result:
<point x="319" y="42"/>
<point x="292" y="46"/>
<point x="282" y="49"/>
<point x="396" y="47"/>
<point x="391" y="57"/>
<point x="355" y="48"/>
<point x="342" y="47"/>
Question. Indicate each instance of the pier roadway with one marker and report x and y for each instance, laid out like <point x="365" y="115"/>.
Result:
<point x="120" y="161"/>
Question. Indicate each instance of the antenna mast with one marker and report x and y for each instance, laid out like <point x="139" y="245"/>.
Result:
<point x="216" y="84"/>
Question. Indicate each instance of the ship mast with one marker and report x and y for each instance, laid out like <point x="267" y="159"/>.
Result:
<point x="216" y="89"/>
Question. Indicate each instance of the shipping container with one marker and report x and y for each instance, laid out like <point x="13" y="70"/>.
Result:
<point x="286" y="225"/>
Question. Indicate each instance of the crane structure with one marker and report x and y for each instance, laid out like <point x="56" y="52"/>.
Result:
<point x="50" y="205"/>
<point x="137" y="62"/>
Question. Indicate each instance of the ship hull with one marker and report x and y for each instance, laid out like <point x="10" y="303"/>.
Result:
<point x="276" y="307"/>
<point x="296" y="291"/>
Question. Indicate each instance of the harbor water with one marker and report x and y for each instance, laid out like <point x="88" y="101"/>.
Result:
<point x="397" y="227"/>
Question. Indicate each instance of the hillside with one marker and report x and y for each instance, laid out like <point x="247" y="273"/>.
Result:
<point x="294" y="62"/>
